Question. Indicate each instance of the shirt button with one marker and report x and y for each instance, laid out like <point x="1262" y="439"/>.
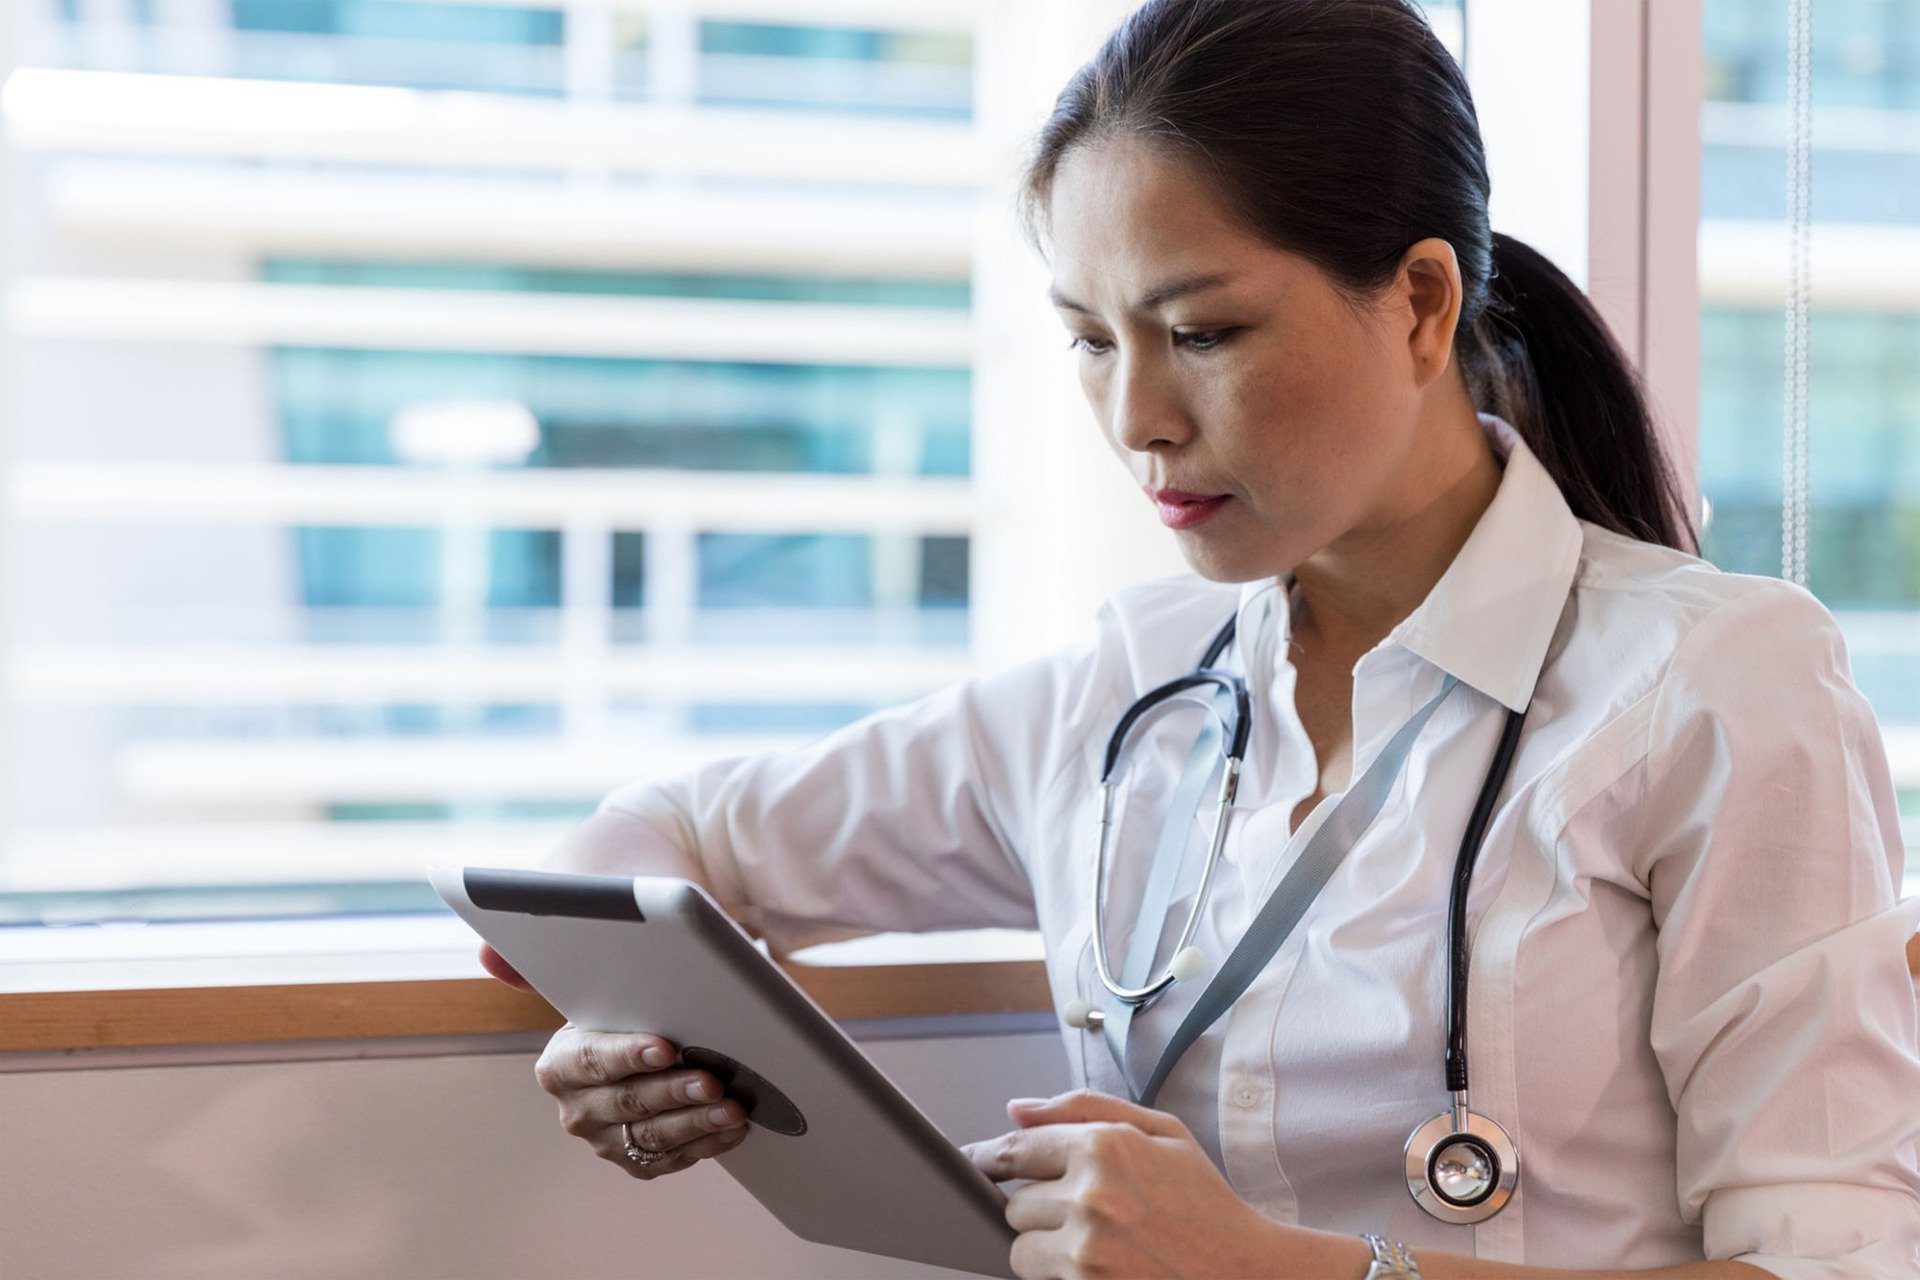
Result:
<point x="1247" y="1094"/>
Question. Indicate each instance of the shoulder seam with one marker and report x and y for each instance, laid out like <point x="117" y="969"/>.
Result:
<point x="1687" y="638"/>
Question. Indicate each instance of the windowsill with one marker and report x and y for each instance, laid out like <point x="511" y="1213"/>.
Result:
<point x="262" y="982"/>
<point x="288" y="982"/>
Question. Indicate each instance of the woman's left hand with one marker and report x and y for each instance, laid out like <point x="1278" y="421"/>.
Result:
<point x="1122" y="1190"/>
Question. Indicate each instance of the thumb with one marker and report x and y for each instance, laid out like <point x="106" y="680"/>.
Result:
<point x="494" y="963"/>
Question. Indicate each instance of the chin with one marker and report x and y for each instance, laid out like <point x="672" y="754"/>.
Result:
<point x="1238" y="560"/>
<point x="1221" y="564"/>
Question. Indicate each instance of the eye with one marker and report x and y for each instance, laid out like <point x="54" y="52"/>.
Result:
<point x="1215" y="339"/>
<point x="1202" y="340"/>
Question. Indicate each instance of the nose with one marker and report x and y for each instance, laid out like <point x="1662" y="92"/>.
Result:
<point x="1146" y="410"/>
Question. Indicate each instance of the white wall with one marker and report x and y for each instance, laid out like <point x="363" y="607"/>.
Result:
<point x="444" y="1165"/>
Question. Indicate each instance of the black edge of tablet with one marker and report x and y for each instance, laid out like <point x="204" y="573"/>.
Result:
<point x="747" y="960"/>
<point x="552" y="893"/>
<point x="611" y="898"/>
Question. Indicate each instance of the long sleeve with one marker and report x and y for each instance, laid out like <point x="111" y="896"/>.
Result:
<point x="1783" y="1015"/>
<point x="914" y="818"/>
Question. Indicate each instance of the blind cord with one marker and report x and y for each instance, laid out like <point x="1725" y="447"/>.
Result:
<point x="1795" y="497"/>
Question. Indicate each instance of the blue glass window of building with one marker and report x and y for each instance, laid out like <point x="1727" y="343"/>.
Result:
<point x="913" y="74"/>
<point x="1865" y="420"/>
<point x="1864" y="357"/>
<point x="521" y="49"/>
<point x="420" y="44"/>
<point x="1866" y="87"/>
<point x="337" y="405"/>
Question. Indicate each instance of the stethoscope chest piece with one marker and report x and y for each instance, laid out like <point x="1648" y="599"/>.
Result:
<point x="1461" y="1167"/>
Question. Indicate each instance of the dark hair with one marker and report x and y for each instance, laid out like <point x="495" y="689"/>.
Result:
<point x="1343" y="131"/>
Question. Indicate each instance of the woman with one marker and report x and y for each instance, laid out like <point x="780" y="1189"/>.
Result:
<point x="1410" y="460"/>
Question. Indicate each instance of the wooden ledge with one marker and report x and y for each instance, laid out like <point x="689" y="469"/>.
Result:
<point x="40" y="1021"/>
<point x="289" y="1013"/>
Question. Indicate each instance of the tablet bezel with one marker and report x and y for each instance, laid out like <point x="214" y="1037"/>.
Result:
<point x="527" y="892"/>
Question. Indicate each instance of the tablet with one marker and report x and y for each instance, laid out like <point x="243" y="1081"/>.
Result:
<point x="836" y="1152"/>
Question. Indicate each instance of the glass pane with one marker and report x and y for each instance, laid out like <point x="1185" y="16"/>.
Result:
<point x="836" y="69"/>
<point x="314" y="580"/>
<point x="1864" y="344"/>
<point x="419" y="44"/>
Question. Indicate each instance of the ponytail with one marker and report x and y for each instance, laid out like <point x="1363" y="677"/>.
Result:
<point x="1343" y="131"/>
<point x="1541" y="357"/>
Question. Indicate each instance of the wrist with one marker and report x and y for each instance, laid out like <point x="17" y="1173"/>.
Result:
<point x="1326" y="1255"/>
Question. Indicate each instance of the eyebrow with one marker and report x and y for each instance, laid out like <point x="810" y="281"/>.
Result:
<point x="1154" y="298"/>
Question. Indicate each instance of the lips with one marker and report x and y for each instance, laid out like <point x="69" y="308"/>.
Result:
<point x="1181" y="497"/>
<point x="1187" y="515"/>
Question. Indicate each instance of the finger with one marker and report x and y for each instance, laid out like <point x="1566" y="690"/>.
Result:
<point x="674" y="1163"/>
<point x="1024" y="1153"/>
<point x="1037" y="1254"/>
<point x="643" y="1095"/>
<point x="683" y="1157"/>
<point x="671" y="1130"/>
<point x="1037" y="1206"/>
<point x="494" y="963"/>
<point x="715" y="1143"/>
<point x="1083" y="1105"/>
<point x="576" y="1059"/>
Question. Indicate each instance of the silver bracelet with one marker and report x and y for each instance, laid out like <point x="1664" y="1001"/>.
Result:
<point x="1391" y="1261"/>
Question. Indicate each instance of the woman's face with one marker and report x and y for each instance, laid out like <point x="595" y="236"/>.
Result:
<point x="1266" y="387"/>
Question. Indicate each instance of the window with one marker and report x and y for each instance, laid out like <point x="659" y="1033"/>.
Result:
<point x="401" y="392"/>
<point x="1863" y="358"/>
<point x="421" y="44"/>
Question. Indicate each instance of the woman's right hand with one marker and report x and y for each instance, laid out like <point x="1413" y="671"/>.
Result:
<point x="602" y="1078"/>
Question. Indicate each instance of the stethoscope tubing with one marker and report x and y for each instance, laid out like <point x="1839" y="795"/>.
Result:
<point x="1453" y="1131"/>
<point x="1236" y="751"/>
<point x="1461" y="957"/>
<point x="1242" y="712"/>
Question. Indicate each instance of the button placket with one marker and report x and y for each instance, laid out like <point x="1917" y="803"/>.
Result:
<point x="1249" y="1140"/>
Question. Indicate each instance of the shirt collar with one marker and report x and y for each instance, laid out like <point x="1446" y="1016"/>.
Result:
<point x="1492" y="614"/>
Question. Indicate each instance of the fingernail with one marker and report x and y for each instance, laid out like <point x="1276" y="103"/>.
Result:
<point x="655" y="1057"/>
<point x="716" y="1115"/>
<point x="702" y="1090"/>
<point x="1027" y="1102"/>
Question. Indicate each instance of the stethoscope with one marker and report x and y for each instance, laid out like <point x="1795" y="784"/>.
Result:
<point x="1460" y="1166"/>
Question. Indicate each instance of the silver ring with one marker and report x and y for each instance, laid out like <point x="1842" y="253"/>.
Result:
<point x="635" y="1152"/>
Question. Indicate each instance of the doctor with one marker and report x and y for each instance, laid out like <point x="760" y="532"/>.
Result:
<point x="1404" y="458"/>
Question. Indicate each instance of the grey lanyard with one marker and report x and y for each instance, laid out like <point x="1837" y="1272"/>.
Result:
<point x="1325" y="850"/>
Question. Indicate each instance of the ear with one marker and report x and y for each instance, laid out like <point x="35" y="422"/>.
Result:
<point x="1429" y="283"/>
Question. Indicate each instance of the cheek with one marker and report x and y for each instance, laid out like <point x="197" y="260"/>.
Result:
<point x="1094" y="394"/>
<point x="1318" y="415"/>
<point x="1275" y="423"/>
<point x="1303" y="452"/>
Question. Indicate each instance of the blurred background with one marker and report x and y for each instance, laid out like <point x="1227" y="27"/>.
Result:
<point x="422" y="417"/>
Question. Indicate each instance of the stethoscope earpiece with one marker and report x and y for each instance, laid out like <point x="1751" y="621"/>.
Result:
<point x="1081" y="1015"/>
<point x="1188" y="964"/>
